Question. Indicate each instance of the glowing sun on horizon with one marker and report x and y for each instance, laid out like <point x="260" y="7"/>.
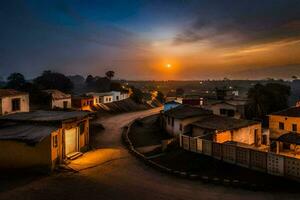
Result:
<point x="168" y="65"/>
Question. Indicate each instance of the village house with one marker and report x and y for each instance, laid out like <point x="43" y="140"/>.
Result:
<point x="229" y="108"/>
<point x="42" y="139"/>
<point x="58" y="99"/>
<point x="285" y="130"/>
<point x="119" y="95"/>
<point x="99" y="98"/>
<point x="83" y="102"/>
<point x="225" y="129"/>
<point x="175" y="120"/>
<point x="12" y="101"/>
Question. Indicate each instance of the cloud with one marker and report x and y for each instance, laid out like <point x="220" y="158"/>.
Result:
<point x="243" y="23"/>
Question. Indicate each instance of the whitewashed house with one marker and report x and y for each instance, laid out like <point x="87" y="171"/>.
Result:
<point x="105" y="97"/>
<point x="178" y="119"/>
<point x="229" y="108"/>
<point x="12" y="101"/>
<point x="59" y="99"/>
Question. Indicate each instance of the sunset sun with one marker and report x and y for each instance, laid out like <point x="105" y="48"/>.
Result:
<point x="168" y="65"/>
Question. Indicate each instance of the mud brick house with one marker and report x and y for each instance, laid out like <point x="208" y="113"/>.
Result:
<point x="58" y="99"/>
<point x="42" y="139"/>
<point x="12" y="101"/>
<point x="225" y="129"/>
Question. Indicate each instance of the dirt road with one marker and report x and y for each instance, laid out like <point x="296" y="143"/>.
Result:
<point x="110" y="172"/>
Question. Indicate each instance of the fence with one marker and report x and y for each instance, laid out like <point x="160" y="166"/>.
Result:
<point x="268" y="162"/>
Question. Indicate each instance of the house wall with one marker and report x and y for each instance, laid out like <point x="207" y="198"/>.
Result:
<point x="21" y="155"/>
<point x="116" y="95"/>
<point x="6" y="104"/>
<point x="60" y="103"/>
<point x="217" y="107"/>
<point x="288" y="122"/>
<point x="244" y="135"/>
<point x="175" y="130"/>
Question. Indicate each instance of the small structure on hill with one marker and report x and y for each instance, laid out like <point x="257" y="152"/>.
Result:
<point x="58" y="99"/>
<point x="12" y="101"/>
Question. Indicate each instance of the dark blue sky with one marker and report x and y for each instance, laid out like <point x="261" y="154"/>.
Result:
<point x="137" y="38"/>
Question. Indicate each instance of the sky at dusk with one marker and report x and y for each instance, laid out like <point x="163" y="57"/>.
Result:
<point x="199" y="39"/>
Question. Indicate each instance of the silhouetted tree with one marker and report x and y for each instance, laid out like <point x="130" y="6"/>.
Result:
<point x="16" y="81"/>
<point x="115" y="86"/>
<point x="265" y="99"/>
<point x="137" y="95"/>
<point x="89" y="80"/>
<point x="110" y="74"/>
<point x="179" y="91"/>
<point x="53" y="80"/>
<point x="160" y="97"/>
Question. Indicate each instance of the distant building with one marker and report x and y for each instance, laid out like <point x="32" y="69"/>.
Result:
<point x="12" y="101"/>
<point x="170" y="105"/>
<point x="193" y="101"/>
<point x="225" y="129"/>
<point x="119" y="95"/>
<point x="42" y="139"/>
<point x="82" y="102"/>
<point x="285" y="130"/>
<point x="229" y="108"/>
<point x="106" y="97"/>
<point x="58" y="99"/>
<point x="175" y="120"/>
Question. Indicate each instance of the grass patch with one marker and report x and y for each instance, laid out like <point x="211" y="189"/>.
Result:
<point x="147" y="132"/>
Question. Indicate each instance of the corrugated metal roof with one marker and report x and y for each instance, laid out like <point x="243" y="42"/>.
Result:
<point x="220" y="123"/>
<point x="10" y="92"/>
<point x="28" y="133"/>
<point x="186" y="111"/>
<point x="45" y="116"/>
<point x="57" y="95"/>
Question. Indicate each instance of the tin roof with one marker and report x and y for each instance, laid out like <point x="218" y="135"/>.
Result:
<point x="291" y="138"/>
<point x="290" y="112"/>
<point x="28" y="133"/>
<point x="57" y="95"/>
<point x="10" y="92"/>
<point x="219" y="123"/>
<point x="187" y="111"/>
<point x="44" y="116"/>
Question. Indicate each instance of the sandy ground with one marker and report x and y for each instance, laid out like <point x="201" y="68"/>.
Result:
<point x="110" y="172"/>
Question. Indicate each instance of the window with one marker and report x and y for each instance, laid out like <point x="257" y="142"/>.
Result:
<point x="16" y="104"/>
<point x="172" y="121"/>
<point x="180" y="127"/>
<point x="55" y="141"/>
<point x="281" y="125"/>
<point x="230" y="113"/>
<point x="223" y="111"/>
<point x="117" y="98"/>
<point x="294" y="127"/>
<point x="81" y="128"/>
